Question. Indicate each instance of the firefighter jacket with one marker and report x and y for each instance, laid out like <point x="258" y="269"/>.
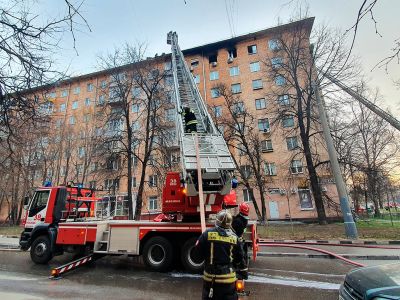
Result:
<point x="222" y="253"/>
<point x="239" y="225"/>
<point x="189" y="118"/>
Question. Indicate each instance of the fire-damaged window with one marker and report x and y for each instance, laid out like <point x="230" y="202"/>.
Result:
<point x="305" y="199"/>
<point x="232" y="53"/>
<point x="213" y="58"/>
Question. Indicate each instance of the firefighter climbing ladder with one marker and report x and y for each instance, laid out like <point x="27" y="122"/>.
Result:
<point x="216" y="163"/>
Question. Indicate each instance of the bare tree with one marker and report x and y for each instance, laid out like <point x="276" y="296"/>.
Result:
<point x="242" y="135"/>
<point x="136" y="102"/>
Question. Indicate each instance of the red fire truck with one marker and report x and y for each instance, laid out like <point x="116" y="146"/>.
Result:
<point x="62" y="219"/>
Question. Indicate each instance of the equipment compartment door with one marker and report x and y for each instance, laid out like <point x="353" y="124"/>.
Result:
<point x="124" y="240"/>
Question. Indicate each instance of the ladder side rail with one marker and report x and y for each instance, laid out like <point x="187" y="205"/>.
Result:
<point x="179" y="121"/>
<point x="376" y="109"/>
<point x="196" y="93"/>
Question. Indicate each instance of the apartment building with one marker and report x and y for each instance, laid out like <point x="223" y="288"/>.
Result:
<point x="76" y="111"/>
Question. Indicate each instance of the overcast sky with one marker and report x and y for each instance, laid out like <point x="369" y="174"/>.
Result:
<point x="114" y="22"/>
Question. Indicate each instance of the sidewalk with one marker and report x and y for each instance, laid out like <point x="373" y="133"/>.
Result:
<point x="9" y="242"/>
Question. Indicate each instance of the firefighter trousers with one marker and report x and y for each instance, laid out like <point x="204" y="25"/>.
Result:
<point x="221" y="291"/>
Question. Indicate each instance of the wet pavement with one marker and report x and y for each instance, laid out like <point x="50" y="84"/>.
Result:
<point x="125" y="278"/>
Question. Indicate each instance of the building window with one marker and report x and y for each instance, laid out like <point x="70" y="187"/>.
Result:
<point x="111" y="184"/>
<point x="276" y="62"/>
<point x="215" y="93"/>
<point x="134" y="183"/>
<point x="241" y="149"/>
<point x="64" y="93"/>
<point x="63" y="107"/>
<point x="305" y="199"/>
<point x="255" y="66"/>
<point x="232" y="53"/>
<point x="103" y="84"/>
<point x="135" y="126"/>
<point x="194" y="63"/>
<point x="257" y="84"/>
<point x="221" y="128"/>
<point x="101" y="100"/>
<point x="217" y="111"/>
<point x="89" y="87"/>
<point x="245" y="171"/>
<point x="72" y="120"/>
<point x="75" y="105"/>
<point x="236" y="88"/>
<point x="252" y="49"/>
<point x="59" y="123"/>
<point x="246" y="195"/>
<point x="270" y="168"/>
<point x="238" y="108"/>
<point x="170" y="114"/>
<point x="167" y="65"/>
<point x="77" y="90"/>
<point x="196" y="78"/>
<point x="291" y="143"/>
<point x="135" y="107"/>
<point x="93" y="167"/>
<point x="284" y="100"/>
<point x="266" y="146"/>
<point x="234" y="71"/>
<point x="263" y="125"/>
<point x="274" y="44"/>
<point x="86" y="118"/>
<point x="79" y="169"/>
<point x="239" y="127"/>
<point x="112" y="164"/>
<point x="280" y="80"/>
<point x="296" y="167"/>
<point x="51" y="95"/>
<point x="63" y="170"/>
<point x="261" y="103"/>
<point x="212" y="58"/>
<point x="81" y="151"/>
<point x="136" y="91"/>
<point x="87" y="101"/>
<point x="214" y="75"/>
<point x="92" y="184"/>
<point x="288" y="121"/>
<point x="153" y="203"/>
<point x="153" y="180"/>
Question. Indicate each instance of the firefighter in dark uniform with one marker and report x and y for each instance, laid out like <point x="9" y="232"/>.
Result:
<point x="190" y="120"/>
<point x="219" y="246"/>
<point x="239" y="224"/>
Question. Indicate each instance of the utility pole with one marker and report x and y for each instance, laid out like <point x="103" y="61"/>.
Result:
<point x="350" y="226"/>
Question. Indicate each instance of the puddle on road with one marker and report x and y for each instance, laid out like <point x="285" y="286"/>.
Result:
<point x="15" y="278"/>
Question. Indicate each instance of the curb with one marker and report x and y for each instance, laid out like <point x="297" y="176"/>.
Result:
<point x="344" y="242"/>
<point x="349" y="256"/>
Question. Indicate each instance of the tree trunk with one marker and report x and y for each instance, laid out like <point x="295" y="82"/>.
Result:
<point x="139" y="196"/>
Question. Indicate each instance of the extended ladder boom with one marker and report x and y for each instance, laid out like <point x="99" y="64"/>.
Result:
<point x="376" y="109"/>
<point x="215" y="159"/>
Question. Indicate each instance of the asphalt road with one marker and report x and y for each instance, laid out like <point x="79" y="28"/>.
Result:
<point x="125" y="278"/>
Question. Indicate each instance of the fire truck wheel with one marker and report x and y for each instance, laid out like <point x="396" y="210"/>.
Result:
<point x="158" y="253"/>
<point x="40" y="250"/>
<point x="190" y="261"/>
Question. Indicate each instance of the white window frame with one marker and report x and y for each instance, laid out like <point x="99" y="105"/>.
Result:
<point x="263" y="128"/>
<point x="234" y="86"/>
<point x="257" y="84"/>
<point x="214" y="75"/>
<point x="75" y="104"/>
<point x="234" y="71"/>
<point x="266" y="146"/>
<point x="262" y="103"/>
<point x="270" y="169"/>
<point x="291" y="145"/>
<point x="296" y="167"/>
<point x="153" y="203"/>
<point x="255" y="66"/>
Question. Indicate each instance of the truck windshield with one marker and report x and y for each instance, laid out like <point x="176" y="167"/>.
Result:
<point x="39" y="202"/>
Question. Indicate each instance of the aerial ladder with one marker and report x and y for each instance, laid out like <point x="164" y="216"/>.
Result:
<point x="207" y="165"/>
<point x="215" y="161"/>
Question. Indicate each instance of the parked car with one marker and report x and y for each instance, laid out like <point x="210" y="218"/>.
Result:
<point x="372" y="283"/>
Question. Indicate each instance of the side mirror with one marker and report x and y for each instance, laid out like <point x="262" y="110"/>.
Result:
<point x="26" y="202"/>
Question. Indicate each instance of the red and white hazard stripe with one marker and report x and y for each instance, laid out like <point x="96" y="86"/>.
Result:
<point x="70" y="266"/>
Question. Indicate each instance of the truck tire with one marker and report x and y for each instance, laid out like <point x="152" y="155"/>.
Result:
<point x="41" y="250"/>
<point x="190" y="262"/>
<point x="158" y="253"/>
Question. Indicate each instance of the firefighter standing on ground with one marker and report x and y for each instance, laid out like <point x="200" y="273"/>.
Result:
<point x="219" y="247"/>
<point x="239" y="224"/>
<point x="190" y="120"/>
